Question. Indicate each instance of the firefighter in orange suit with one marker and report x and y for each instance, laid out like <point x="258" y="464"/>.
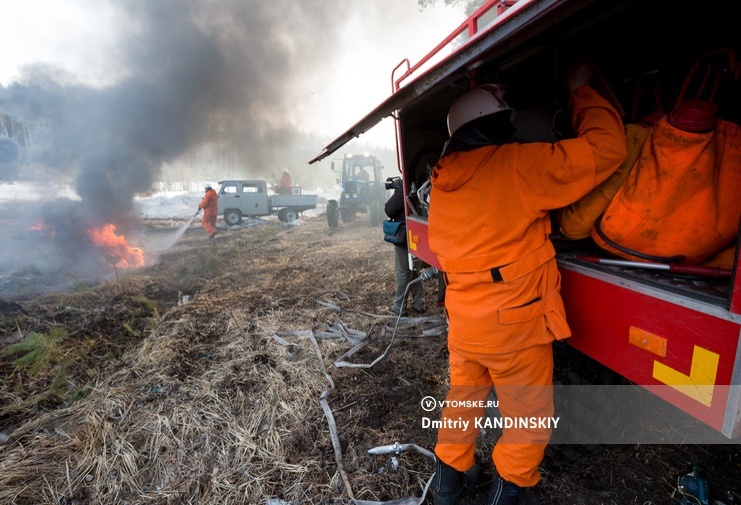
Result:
<point x="284" y="186"/>
<point x="210" y="207"/>
<point x="489" y="226"/>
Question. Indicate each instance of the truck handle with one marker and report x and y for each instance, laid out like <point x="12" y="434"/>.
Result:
<point x="698" y="270"/>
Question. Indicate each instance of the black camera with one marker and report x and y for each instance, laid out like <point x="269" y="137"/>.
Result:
<point x="393" y="183"/>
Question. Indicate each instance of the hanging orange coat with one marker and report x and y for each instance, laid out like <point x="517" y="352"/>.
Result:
<point x="489" y="209"/>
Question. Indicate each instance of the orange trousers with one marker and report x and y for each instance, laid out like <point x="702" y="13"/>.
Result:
<point x="523" y="382"/>
<point x="208" y="221"/>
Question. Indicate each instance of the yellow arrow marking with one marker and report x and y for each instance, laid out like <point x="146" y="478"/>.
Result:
<point x="699" y="384"/>
<point x="412" y="240"/>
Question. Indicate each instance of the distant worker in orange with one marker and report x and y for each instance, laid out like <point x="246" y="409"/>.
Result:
<point x="489" y="226"/>
<point x="210" y="207"/>
<point x="284" y="186"/>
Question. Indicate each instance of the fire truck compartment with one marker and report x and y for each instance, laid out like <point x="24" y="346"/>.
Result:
<point x="677" y="336"/>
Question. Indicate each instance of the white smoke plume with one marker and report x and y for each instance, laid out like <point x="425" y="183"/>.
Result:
<point x="195" y="72"/>
<point x="232" y="75"/>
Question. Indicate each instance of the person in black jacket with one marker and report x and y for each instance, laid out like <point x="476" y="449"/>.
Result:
<point x="394" y="209"/>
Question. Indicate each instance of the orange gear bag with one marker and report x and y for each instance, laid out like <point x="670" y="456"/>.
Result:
<point x="577" y="220"/>
<point x="681" y="201"/>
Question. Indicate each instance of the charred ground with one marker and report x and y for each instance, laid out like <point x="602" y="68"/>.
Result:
<point x="201" y="378"/>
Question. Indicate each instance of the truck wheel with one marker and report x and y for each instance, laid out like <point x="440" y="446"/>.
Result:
<point x="282" y="215"/>
<point x="333" y="214"/>
<point x="290" y="215"/>
<point x="232" y="217"/>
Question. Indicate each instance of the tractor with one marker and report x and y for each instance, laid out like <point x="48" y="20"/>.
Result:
<point x="363" y="190"/>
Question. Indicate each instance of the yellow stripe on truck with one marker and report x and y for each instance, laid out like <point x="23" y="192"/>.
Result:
<point x="699" y="384"/>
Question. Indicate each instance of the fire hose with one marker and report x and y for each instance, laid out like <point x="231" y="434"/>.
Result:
<point x="394" y="449"/>
<point x="429" y="274"/>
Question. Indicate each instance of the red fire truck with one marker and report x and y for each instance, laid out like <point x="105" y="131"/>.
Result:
<point x="676" y="335"/>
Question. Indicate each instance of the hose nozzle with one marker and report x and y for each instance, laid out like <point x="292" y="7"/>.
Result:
<point x="429" y="274"/>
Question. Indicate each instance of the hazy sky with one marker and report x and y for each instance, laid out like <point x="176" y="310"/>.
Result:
<point x="100" y="95"/>
<point x="338" y="85"/>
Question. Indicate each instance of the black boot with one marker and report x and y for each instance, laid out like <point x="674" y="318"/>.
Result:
<point x="451" y="485"/>
<point x="503" y="492"/>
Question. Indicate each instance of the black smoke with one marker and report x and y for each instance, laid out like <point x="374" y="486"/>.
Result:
<point x="217" y="72"/>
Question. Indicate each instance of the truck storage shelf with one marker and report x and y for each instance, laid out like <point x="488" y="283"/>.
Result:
<point x="714" y="291"/>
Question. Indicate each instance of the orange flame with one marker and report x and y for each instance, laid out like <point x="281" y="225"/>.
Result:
<point x="45" y="227"/>
<point x="116" y="247"/>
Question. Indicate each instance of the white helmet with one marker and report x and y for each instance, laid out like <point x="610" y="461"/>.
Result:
<point x="479" y="102"/>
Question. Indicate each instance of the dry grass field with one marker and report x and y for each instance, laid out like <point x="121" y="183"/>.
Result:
<point x="260" y="371"/>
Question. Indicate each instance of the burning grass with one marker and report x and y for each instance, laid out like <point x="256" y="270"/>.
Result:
<point x="114" y="247"/>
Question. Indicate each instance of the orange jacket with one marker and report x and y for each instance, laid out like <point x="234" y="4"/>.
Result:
<point x="285" y="184"/>
<point x="489" y="207"/>
<point x="210" y="203"/>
